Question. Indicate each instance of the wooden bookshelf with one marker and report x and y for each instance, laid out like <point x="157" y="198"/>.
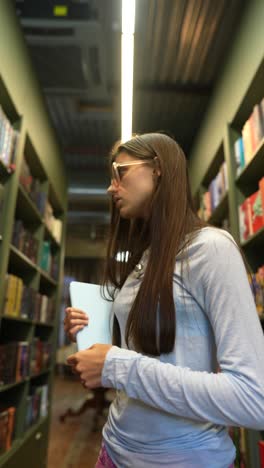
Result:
<point x="239" y="188"/>
<point x="29" y="444"/>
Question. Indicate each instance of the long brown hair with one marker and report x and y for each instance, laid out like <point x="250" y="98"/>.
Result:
<point x="171" y="217"/>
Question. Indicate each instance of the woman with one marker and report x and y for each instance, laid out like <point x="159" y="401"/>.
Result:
<point x="183" y="310"/>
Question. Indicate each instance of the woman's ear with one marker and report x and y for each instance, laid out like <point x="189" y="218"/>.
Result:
<point x="157" y="169"/>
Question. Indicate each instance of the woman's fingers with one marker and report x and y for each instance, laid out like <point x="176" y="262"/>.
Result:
<point x="78" y="313"/>
<point x="74" y="322"/>
<point x="72" y="332"/>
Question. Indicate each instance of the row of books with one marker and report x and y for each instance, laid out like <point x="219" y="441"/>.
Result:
<point x="217" y="189"/>
<point x="41" y="352"/>
<point x="252" y="134"/>
<point x="33" y="187"/>
<point x="257" y="286"/>
<point x="36" y="404"/>
<point x="251" y="213"/>
<point x="14" y="361"/>
<point x="48" y="262"/>
<point x="25" y="241"/>
<point x="8" y="140"/>
<point x="7" y="425"/>
<point x="53" y="224"/>
<point x="24" y="302"/>
<point x="21" y="359"/>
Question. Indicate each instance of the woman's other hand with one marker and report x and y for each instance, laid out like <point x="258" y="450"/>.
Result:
<point x="74" y="321"/>
<point x="88" y="364"/>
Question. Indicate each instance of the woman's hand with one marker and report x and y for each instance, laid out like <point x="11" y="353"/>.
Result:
<point x="89" y="364"/>
<point x="75" y="320"/>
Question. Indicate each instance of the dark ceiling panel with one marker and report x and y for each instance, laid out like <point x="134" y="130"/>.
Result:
<point x="59" y="67"/>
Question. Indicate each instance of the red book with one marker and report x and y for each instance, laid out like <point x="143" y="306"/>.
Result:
<point x="261" y="453"/>
<point x="261" y="189"/>
<point x="256" y="219"/>
<point x="243" y="221"/>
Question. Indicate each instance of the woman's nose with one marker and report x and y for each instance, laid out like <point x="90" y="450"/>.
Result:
<point x="112" y="187"/>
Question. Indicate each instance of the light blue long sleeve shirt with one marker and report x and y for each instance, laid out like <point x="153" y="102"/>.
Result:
<point x="173" y="410"/>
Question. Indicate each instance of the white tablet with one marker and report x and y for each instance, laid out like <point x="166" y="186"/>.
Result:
<point x="87" y="297"/>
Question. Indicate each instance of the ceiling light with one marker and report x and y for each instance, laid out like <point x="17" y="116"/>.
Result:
<point x="128" y="29"/>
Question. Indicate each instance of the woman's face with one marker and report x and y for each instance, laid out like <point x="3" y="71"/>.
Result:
<point x="133" y="192"/>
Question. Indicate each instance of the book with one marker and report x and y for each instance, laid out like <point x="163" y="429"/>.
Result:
<point x="239" y="155"/>
<point x="243" y="215"/>
<point x="87" y="297"/>
<point x="7" y="423"/>
<point x="255" y="212"/>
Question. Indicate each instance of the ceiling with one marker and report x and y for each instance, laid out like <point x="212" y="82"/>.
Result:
<point x="180" y="49"/>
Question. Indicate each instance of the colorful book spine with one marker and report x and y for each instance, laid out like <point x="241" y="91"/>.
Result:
<point x="7" y="425"/>
<point x="239" y="155"/>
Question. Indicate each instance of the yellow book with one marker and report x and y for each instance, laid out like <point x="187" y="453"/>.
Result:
<point x="19" y="289"/>
<point x="9" y="298"/>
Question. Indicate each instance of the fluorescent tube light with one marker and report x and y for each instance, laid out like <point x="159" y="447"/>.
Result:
<point x="128" y="28"/>
<point x="128" y="16"/>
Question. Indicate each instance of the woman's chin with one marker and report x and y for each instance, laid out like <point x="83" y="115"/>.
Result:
<point x="126" y="213"/>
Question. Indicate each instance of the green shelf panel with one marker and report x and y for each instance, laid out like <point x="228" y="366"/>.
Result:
<point x="220" y="211"/>
<point x="42" y="324"/>
<point x="256" y="241"/>
<point x="34" y="427"/>
<point x="7" y="103"/>
<point x="17" y="319"/>
<point x="6" y="455"/>
<point x="247" y="181"/>
<point x="27" y="321"/>
<point x="17" y="443"/>
<point x="21" y="262"/>
<point x="43" y="372"/>
<point x="46" y="279"/>
<point x="27" y="207"/>
<point x="4" y="388"/>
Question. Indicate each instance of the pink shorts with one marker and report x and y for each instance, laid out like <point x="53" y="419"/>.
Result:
<point x="104" y="460"/>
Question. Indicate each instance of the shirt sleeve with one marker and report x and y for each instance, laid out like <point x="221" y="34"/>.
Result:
<point x="233" y="397"/>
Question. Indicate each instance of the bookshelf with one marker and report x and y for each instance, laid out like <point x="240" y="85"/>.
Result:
<point x="241" y="185"/>
<point x="32" y="223"/>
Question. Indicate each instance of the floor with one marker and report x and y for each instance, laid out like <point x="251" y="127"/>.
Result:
<point x="73" y="443"/>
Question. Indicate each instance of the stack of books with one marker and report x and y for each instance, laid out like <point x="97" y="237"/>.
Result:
<point x="14" y="361"/>
<point x="25" y="241"/>
<point x="217" y="189"/>
<point x="252" y="134"/>
<point x="37" y="404"/>
<point x="40" y="356"/>
<point x="24" y="302"/>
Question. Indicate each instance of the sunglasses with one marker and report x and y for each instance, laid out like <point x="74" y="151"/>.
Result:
<point x="119" y="169"/>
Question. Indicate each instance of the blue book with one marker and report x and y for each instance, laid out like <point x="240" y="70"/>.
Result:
<point x="87" y="297"/>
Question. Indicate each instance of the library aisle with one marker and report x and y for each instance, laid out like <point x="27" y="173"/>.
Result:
<point x="199" y="75"/>
<point x="73" y="443"/>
